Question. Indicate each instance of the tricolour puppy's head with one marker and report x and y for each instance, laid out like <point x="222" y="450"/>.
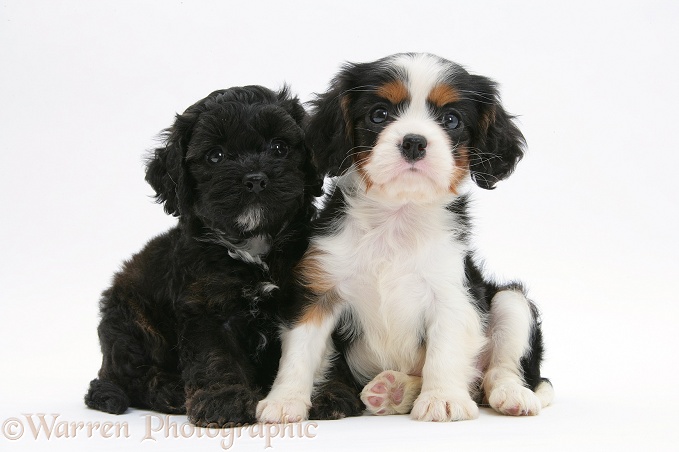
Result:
<point x="236" y="162"/>
<point x="413" y="127"/>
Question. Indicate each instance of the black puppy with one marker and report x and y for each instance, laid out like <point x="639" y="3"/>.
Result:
<point x="191" y="323"/>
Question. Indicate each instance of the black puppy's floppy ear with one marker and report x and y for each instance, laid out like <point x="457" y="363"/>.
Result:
<point x="330" y="132"/>
<point x="292" y="105"/>
<point x="497" y="144"/>
<point x="166" y="167"/>
<point x="313" y="182"/>
<point x="165" y="173"/>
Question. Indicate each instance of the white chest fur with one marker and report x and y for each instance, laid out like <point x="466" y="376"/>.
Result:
<point x="394" y="267"/>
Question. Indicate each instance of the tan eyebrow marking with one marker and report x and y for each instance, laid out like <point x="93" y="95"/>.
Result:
<point x="394" y="91"/>
<point x="443" y="94"/>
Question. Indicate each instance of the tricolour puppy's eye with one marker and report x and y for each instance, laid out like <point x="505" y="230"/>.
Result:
<point x="215" y="156"/>
<point x="451" y="121"/>
<point x="379" y="115"/>
<point x="279" y="148"/>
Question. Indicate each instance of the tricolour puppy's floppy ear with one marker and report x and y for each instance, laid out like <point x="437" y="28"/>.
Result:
<point x="165" y="168"/>
<point x="329" y="133"/>
<point x="497" y="144"/>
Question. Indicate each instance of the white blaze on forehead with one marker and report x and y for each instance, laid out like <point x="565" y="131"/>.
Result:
<point x="426" y="78"/>
<point x="423" y="72"/>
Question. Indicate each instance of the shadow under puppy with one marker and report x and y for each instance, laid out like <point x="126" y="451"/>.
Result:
<point x="389" y="268"/>
<point x="191" y="323"/>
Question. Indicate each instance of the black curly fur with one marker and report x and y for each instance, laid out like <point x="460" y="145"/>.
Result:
<point x="190" y="323"/>
<point x="339" y="396"/>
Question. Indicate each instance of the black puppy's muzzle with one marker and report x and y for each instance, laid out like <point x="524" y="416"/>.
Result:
<point x="255" y="182"/>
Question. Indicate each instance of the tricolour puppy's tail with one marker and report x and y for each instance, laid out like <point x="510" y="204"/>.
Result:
<point x="104" y="395"/>
<point x="545" y="392"/>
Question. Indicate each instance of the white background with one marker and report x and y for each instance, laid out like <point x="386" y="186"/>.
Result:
<point x="588" y="220"/>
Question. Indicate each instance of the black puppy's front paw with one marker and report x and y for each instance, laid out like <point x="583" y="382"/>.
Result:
<point x="335" y="400"/>
<point x="104" y="395"/>
<point x="166" y="394"/>
<point x="225" y="407"/>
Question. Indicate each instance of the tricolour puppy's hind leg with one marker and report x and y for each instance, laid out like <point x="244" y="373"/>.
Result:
<point x="512" y="382"/>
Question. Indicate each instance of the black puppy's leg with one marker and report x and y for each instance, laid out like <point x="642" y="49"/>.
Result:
<point x="157" y="391"/>
<point x="338" y="396"/>
<point x="218" y="376"/>
<point x="224" y="405"/>
<point x="512" y="383"/>
<point x="165" y="392"/>
<point x="135" y="356"/>
<point x="105" y="395"/>
<point x="123" y="358"/>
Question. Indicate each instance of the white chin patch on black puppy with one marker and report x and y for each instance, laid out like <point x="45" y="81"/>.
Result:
<point x="189" y="324"/>
<point x="250" y="219"/>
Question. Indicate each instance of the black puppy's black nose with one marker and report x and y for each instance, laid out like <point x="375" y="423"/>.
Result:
<point x="413" y="147"/>
<point x="255" y="182"/>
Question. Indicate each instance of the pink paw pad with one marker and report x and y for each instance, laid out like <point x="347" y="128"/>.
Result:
<point x="514" y="411"/>
<point x="396" y="395"/>
<point x="375" y="401"/>
<point x="379" y="388"/>
<point x="384" y="394"/>
<point x="517" y="411"/>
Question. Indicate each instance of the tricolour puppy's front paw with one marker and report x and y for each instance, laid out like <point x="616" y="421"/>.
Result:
<point x="514" y="400"/>
<point x="278" y="411"/>
<point x="436" y="406"/>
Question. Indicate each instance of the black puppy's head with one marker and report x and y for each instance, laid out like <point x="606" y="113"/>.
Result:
<point x="236" y="162"/>
<point x="410" y="122"/>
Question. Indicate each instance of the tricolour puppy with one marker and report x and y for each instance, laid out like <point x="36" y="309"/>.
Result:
<point x="190" y="323"/>
<point x="389" y="266"/>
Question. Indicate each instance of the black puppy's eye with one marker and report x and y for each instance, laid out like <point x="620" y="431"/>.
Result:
<point x="451" y="121"/>
<point x="215" y="156"/>
<point x="279" y="148"/>
<point x="379" y="115"/>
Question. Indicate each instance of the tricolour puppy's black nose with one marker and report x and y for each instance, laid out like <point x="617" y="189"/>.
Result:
<point x="255" y="182"/>
<point x="413" y="147"/>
